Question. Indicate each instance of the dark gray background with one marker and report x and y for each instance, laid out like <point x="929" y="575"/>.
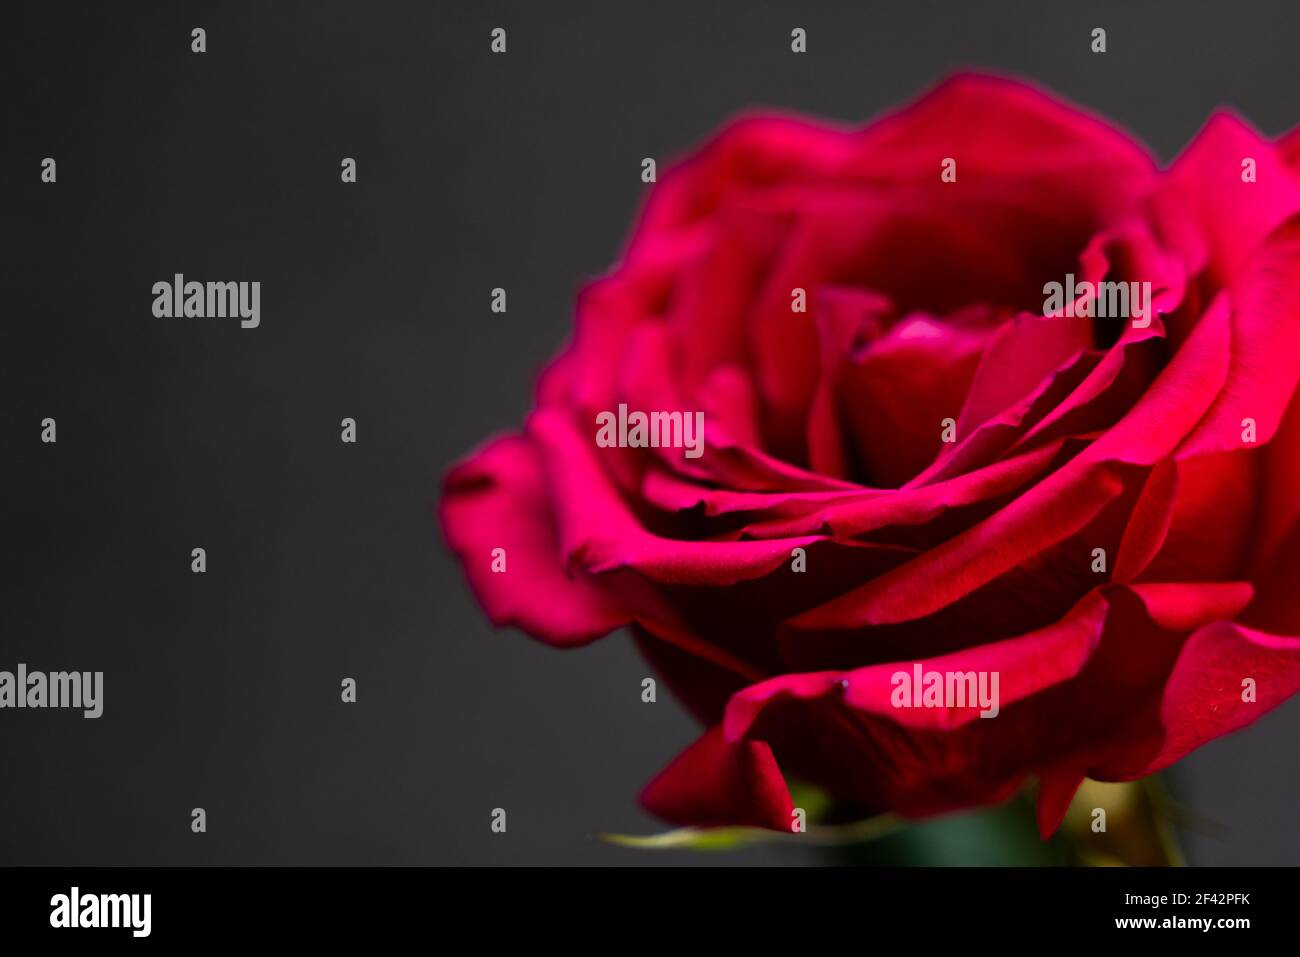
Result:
<point x="475" y="171"/>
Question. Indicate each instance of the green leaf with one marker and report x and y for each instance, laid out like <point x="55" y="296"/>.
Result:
<point x="734" y="838"/>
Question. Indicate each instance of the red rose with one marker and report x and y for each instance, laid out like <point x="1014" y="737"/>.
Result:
<point x="923" y="472"/>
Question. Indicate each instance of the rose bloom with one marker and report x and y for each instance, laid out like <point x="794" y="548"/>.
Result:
<point x="1172" y="446"/>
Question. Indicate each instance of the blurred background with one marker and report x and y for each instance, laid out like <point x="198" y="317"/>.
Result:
<point x="324" y="560"/>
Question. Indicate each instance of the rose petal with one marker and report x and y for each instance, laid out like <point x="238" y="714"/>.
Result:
<point x="497" y="499"/>
<point x="714" y="782"/>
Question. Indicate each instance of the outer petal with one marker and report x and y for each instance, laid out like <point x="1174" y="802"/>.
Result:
<point x="1203" y="696"/>
<point x="1265" y="346"/>
<point x="1205" y="210"/>
<point x="498" y="499"/>
<point x="1107" y="660"/>
<point x="714" y="782"/>
<point x="1007" y="128"/>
